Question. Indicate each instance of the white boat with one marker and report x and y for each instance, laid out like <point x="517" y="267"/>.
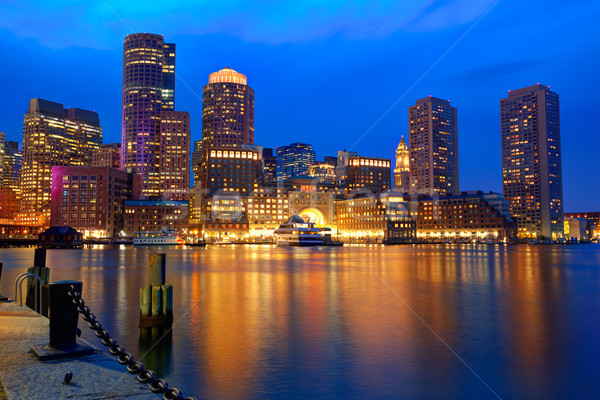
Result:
<point x="296" y="232"/>
<point x="163" y="237"/>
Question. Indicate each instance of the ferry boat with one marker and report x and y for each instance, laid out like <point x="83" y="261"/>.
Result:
<point x="162" y="238"/>
<point x="296" y="232"/>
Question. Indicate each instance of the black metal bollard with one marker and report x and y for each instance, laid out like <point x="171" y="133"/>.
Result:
<point x="63" y="315"/>
<point x="63" y="325"/>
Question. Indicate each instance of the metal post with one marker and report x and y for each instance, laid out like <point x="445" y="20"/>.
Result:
<point x="63" y="324"/>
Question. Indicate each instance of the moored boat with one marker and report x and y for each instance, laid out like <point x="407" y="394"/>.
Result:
<point x="296" y="232"/>
<point x="163" y="237"/>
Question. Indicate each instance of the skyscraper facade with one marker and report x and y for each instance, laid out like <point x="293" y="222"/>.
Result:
<point x="227" y="121"/>
<point x="294" y="160"/>
<point x="531" y="160"/>
<point x="108" y="155"/>
<point x="370" y="173"/>
<point x="227" y="110"/>
<point x="269" y="166"/>
<point x="402" y="170"/>
<point x="433" y="138"/>
<point x="148" y="88"/>
<point x="174" y="159"/>
<point x="53" y="136"/>
<point x="341" y="166"/>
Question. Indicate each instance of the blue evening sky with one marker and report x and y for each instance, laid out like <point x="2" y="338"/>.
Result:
<point x="325" y="71"/>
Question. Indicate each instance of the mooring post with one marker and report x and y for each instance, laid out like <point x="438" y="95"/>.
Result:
<point x="63" y="324"/>
<point x="39" y="268"/>
<point x="156" y="298"/>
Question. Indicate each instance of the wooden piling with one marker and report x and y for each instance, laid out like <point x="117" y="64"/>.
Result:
<point x="156" y="298"/>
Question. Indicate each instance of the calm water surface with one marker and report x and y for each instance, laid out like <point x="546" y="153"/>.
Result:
<point x="355" y="322"/>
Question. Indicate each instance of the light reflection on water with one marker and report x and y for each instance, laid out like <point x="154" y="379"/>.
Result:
<point x="267" y="322"/>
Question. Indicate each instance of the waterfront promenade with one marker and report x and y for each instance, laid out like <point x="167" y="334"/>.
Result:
<point x="22" y="376"/>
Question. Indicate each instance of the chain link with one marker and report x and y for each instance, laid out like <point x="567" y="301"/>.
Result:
<point x="147" y="376"/>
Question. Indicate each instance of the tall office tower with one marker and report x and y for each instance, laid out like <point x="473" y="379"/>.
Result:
<point x="108" y="155"/>
<point x="294" y="160"/>
<point x="196" y="160"/>
<point x="2" y="152"/>
<point x="148" y="88"/>
<point x="53" y="135"/>
<point x="433" y="138"/>
<point x="341" y="167"/>
<point x="227" y="110"/>
<point x="402" y="170"/>
<point x="269" y="166"/>
<point x="227" y="117"/>
<point x="13" y="160"/>
<point x="531" y="160"/>
<point x="174" y="160"/>
<point x="10" y="191"/>
<point x="369" y="173"/>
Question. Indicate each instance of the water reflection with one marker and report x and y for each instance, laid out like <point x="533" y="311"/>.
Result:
<point x="266" y="322"/>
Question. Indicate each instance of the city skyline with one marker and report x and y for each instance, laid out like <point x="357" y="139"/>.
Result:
<point x="478" y="169"/>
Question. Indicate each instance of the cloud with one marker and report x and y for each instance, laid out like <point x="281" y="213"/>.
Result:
<point x="497" y="70"/>
<point x="101" y="24"/>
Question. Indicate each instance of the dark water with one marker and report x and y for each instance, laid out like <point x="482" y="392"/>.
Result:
<point x="356" y="322"/>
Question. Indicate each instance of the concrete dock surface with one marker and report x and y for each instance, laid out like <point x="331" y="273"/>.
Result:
<point x="97" y="376"/>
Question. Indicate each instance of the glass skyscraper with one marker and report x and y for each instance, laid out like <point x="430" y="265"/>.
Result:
<point x="293" y="160"/>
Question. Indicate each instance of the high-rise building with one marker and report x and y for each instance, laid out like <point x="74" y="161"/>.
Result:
<point x="294" y="160"/>
<point x="369" y="173"/>
<point x="10" y="191"/>
<point x="402" y="170"/>
<point x="108" y="155"/>
<point x="341" y="167"/>
<point x="531" y="160"/>
<point x="174" y="160"/>
<point x="227" y="110"/>
<point x="13" y="160"/>
<point x="148" y="88"/>
<point x="433" y="138"/>
<point x="53" y="136"/>
<point x="227" y="121"/>
<point x="269" y="166"/>
<point x="235" y="170"/>
<point x="196" y="160"/>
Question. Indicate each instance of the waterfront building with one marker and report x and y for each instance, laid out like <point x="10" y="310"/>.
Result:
<point x="153" y="215"/>
<point x="531" y="161"/>
<point x="293" y="160"/>
<point x="225" y="218"/>
<point x="368" y="173"/>
<point x="232" y="169"/>
<point x="267" y="208"/>
<point x="269" y="166"/>
<point x="108" y="155"/>
<point x="92" y="199"/>
<point x="313" y="206"/>
<point x="433" y="138"/>
<point x="53" y="136"/>
<point x="174" y="158"/>
<point x="148" y="88"/>
<point x="579" y="228"/>
<point x="323" y="171"/>
<point x="593" y="216"/>
<point x="375" y="218"/>
<point x="402" y="170"/>
<point x="465" y="217"/>
<point x="341" y="166"/>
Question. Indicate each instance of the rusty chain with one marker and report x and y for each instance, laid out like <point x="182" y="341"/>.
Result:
<point x="159" y="386"/>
